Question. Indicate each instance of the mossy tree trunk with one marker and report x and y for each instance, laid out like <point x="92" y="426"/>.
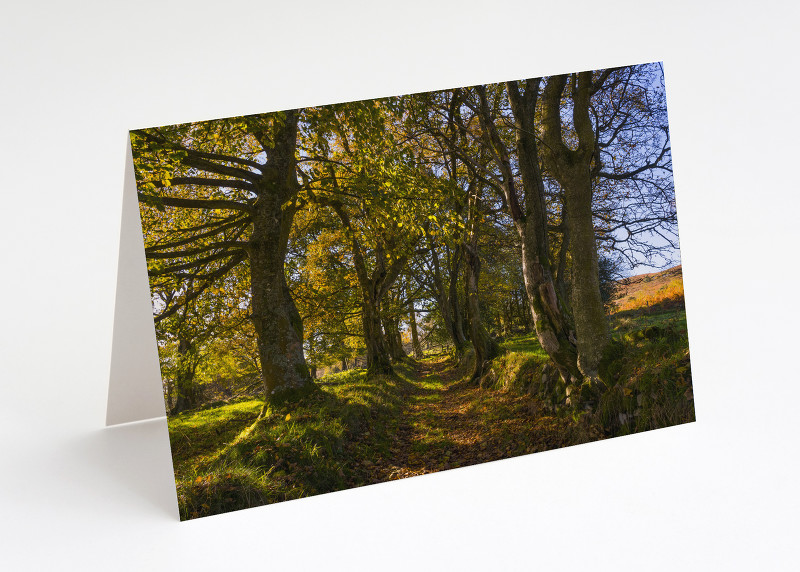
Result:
<point x="378" y="358"/>
<point x="394" y="344"/>
<point x="186" y="391"/>
<point x="257" y="197"/>
<point x="185" y="388"/>
<point x="572" y="168"/>
<point x="273" y="313"/>
<point x="485" y="347"/>
<point x="561" y="269"/>
<point x="551" y="322"/>
<point x="448" y="299"/>
<point x="455" y="306"/>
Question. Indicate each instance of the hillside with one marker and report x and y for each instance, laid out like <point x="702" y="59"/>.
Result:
<point x="654" y="291"/>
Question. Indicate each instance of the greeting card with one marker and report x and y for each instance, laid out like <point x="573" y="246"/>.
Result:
<point x="367" y="291"/>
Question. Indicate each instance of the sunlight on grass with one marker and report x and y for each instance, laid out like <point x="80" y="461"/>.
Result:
<point x="217" y="415"/>
<point x="310" y="446"/>
<point x="527" y="344"/>
<point x="208" y="431"/>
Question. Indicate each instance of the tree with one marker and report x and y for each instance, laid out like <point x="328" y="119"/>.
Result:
<point x="634" y="198"/>
<point x="618" y="119"/>
<point x="369" y="179"/>
<point x="485" y="347"/>
<point x="179" y="350"/>
<point x="248" y="209"/>
<point x="325" y="288"/>
<point x="445" y="290"/>
<point x="411" y="297"/>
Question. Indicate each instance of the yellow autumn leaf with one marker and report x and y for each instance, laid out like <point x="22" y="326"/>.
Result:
<point x="288" y="416"/>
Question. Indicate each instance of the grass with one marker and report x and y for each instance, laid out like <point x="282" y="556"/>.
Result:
<point x="351" y="431"/>
<point x="526" y="344"/>
<point x="205" y="430"/>
<point x="520" y="415"/>
<point x="649" y="375"/>
<point x="625" y="322"/>
<point x="648" y="371"/>
<point x="670" y="292"/>
<point x="227" y="458"/>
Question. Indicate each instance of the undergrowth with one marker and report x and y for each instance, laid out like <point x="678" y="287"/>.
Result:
<point x="228" y="458"/>
<point x="649" y="374"/>
<point x="646" y="370"/>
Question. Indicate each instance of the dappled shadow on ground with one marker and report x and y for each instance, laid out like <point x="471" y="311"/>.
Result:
<point x="353" y="431"/>
<point x="452" y="423"/>
<point x="330" y="438"/>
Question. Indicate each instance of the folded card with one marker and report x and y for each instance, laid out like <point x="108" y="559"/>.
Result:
<point x="354" y="293"/>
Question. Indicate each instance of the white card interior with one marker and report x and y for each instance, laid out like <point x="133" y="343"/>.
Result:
<point x="134" y="390"/>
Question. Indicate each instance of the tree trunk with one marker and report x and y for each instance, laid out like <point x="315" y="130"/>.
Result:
<point x="590" y="319"/>
<point x="170" y="385"/>
<point x="394" y="341"/>
<point x="561" y="270"/>
<point x="455" y="306"/>
<point x="507" y="320"/>
<point x="523" y="308"/>
<point x="553" y="328"/>
<point x="373" y="289"/>
<point x="573" y="171"/>
<point x="415" y="345"/>
<point x="445" y="308"/>
<point x="378" y="359"/>
<point x="485" y="347"/>
<point x="273" y="313"/>
<point x="186" y="392"/>
<point x="550" y="321"/>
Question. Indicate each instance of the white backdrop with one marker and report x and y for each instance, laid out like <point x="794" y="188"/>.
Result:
<point x="720" y="493"/>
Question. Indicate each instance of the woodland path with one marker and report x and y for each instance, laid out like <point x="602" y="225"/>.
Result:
<point x="451" y="423"/>
<point x="431" y="419"/>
